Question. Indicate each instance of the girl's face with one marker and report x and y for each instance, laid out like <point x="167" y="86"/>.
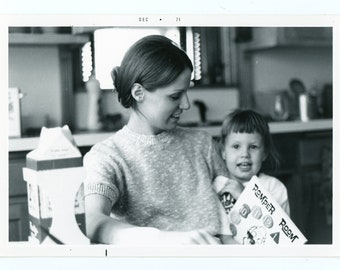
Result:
<point x="244" y="154"/>
<point x="161" y="109"/>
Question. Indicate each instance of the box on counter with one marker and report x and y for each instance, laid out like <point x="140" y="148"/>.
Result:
<point x="54" y="176"/>
<point x="14" y="112"/>
<point x="257" y="219"/>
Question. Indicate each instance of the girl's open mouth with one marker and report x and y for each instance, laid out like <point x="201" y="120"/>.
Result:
<point x="244" y="166"/>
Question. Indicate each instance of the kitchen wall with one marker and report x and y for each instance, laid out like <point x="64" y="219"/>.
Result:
<point x="272" y="69"/>
<point x="36" y="71"/>
<point x="219" y="102"/>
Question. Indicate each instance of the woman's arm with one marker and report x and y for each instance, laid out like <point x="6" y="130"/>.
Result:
<point x="101" y="228"/>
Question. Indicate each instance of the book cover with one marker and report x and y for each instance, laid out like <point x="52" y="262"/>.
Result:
<point x="257" y="219"/>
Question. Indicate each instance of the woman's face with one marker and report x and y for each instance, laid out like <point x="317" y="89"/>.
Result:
<point x="244" y="154"/>
<point x="161" y="109"/>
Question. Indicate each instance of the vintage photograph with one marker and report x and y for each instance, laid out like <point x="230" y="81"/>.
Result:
<point x="179" y="135"/>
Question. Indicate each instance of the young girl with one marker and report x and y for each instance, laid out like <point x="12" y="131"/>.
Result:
<point x="150" y="182"/>
<point x="247" y="142"/>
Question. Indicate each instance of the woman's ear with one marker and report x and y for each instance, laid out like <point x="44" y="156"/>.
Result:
<point x="137" y="92"/>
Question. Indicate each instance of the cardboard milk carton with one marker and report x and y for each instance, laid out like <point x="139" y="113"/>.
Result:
<point x="54" y="176"/>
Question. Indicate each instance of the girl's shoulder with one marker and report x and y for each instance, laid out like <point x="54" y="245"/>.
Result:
<point x="271" y="182"/>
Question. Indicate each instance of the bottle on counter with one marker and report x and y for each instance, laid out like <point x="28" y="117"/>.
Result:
<point x="94" y="96"/>
<point x="308" y="107"/>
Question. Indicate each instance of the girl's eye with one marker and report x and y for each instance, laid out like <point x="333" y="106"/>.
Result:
<point x="236" y="146"/>
<point x="253" y="146"/>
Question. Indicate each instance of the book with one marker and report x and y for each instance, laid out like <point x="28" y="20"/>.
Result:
<point x="257" y="219"/>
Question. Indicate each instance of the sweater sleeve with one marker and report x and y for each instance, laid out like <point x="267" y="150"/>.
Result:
<point x="101" y="174"/>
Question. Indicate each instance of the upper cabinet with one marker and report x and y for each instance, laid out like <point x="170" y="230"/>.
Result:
<point x="46" y="39"/>
<point x="45" y="36"/>
<point x="271" y="37"/>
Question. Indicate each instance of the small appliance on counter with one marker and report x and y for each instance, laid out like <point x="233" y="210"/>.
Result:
<point x="304" y="103"/>
<point x="274" y="104"/>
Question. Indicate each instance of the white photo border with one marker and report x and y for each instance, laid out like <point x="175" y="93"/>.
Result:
<point x="22" y="250"/>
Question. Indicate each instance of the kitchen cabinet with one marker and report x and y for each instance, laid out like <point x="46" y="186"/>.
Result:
<point x="18" y="229"/>
<point x="46" y="39"/>
<point x="306" y="170"/>
<point x="273" y="37"/>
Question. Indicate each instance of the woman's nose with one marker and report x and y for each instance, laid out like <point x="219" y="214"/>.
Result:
<point x="184" y="103"/>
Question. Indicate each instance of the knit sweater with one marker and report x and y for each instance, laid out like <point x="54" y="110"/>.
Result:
<point x="162" y="181"/>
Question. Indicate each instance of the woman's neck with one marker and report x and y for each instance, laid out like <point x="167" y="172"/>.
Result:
<point x="139" y="124"/>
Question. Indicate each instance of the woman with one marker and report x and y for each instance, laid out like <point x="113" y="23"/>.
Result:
<point x="150" y="182"/>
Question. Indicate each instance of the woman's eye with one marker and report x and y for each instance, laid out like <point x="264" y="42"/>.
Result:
<point x="176" y="97"/>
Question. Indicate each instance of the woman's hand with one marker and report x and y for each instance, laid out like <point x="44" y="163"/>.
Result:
<point x="145" y="236"/>
<point x="234" y="187"/>
<point x="228" y="240"/>
<point x="196" y="237"/>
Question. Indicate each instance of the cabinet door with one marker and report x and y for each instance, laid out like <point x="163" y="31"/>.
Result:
<point x="270" y="37"/>
<point x="315" y="166"/>
<point x="311" y="148"/>
<point x="17" y="185"/>
<point x="306" y="170"/>
<point x="18" y="208"/>
<point x="305" y="35"/>
<point x="18" y="229"/>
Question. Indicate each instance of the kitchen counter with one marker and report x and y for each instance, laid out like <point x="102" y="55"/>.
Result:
<point x="90" y="138"/>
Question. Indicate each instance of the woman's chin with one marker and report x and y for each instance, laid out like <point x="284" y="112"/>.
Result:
<point x="172" y="123"/>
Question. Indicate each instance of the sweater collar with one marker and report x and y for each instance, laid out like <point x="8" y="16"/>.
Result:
<point x="160" y="138"/>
